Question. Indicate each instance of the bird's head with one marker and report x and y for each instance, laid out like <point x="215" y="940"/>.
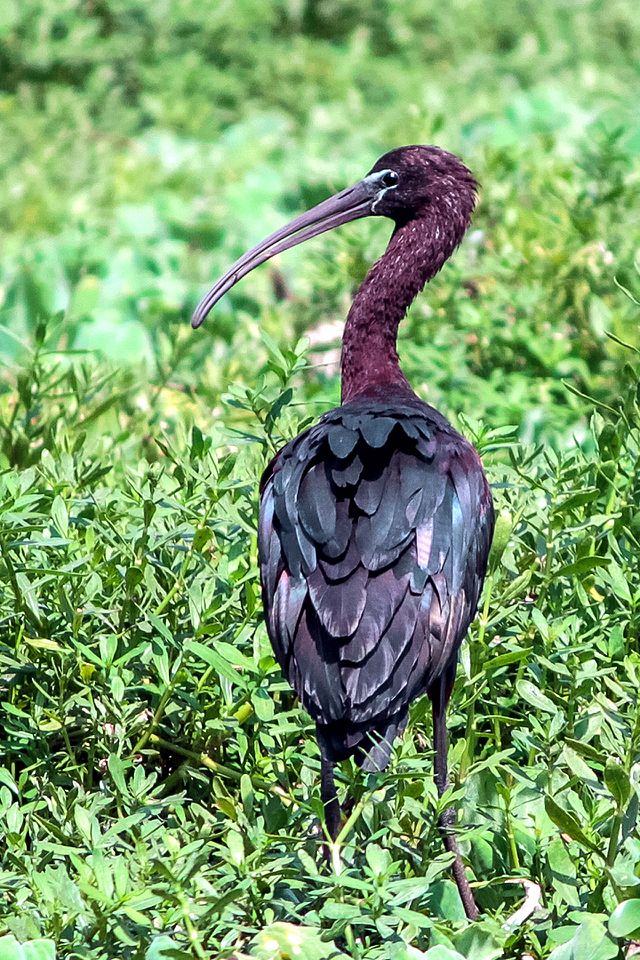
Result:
<point x="414" y="181"/>
<point x="405" y="184"/>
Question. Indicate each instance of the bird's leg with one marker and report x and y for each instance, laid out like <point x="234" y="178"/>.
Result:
<point x="329" y="798"/>
<point x="332" y="815"/>
<point x="439" y="700"/>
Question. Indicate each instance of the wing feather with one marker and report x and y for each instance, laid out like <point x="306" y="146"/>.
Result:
<point x="375" y="527"/>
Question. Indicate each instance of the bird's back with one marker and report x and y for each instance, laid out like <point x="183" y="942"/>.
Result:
<point x="375" y="527"/>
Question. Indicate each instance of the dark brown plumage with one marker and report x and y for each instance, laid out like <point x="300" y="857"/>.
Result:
<point x="372" y="552"/>
<point x="376" y="523"/>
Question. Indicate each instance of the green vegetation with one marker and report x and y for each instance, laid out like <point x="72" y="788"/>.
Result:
<point x="158" y="782"/>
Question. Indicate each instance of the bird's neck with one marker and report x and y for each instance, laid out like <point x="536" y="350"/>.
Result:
<point x="416" y="251"/>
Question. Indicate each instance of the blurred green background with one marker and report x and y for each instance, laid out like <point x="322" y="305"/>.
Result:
<point x="143" y="146"/>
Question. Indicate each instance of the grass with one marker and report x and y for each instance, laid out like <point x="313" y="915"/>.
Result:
<point x="159" y="784"/>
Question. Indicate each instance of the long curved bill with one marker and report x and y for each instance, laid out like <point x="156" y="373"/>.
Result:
<point x="349" y="204"/>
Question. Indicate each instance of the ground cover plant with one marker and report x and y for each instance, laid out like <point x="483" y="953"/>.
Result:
<point x="159" y="784"/>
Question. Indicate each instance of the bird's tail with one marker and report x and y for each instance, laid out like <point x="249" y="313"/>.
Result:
<point x="369" y="746"/>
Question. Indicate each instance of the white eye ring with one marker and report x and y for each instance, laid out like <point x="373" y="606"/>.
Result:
<point x="381" y="181"/>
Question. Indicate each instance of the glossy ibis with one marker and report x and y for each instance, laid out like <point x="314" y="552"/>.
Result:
<point x="375" y="524"/>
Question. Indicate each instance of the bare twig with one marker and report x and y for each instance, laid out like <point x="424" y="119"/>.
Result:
<point x="533" y="895"/>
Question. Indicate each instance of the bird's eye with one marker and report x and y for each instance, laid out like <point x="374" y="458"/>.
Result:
<point x="389" y="178"/>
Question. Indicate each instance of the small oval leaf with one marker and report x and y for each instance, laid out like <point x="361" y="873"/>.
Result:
<point x="625" y="919"/>
<point x="529" y="692"/>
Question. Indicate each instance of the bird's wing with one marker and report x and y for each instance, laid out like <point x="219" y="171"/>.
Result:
<point x="375" y="527"/>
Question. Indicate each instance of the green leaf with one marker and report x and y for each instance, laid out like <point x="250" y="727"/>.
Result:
<point x="441" y="952"/>
<point x="263" y="704"/>
<point x="161" y="948"/>
<point x="215" y="660"/>
<point x="29" y="595"/>
<point x="618" y="783"/>
<point x="378" y="859"/>
<point x="60" y="516"/>
<point x="564" y="882"/>
<point x="444" y="900"/>
<point x="201" y="538"/>
<point x="235" y="844"/>
<point x="117" y="769"/>
<point x="625" y="919"/>
<point x="582" y="566"/>
<point x="405" y="890"/>
<point x="503" y="659"/>
<point x="38" y="950"/>
<point x="590" y="942"/>
<point x="7" y="779"/>
<point x="413" y="917"/>
<point x="84" y="822"/>
<point x="41" y="949"/>
<point x="332" y="910"/>
<point x="616" y="578"/>
<point x="585" y="749"/>
<point x="280" y="941"/>
<point x="625" y="868"/>
<point x="482" y="941"/>
<point x="529" y="692"/>
<point x="578" y="766"/>
<point x="568" y="823"/>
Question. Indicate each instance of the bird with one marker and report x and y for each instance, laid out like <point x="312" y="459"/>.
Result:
<point x="375" y="523"/>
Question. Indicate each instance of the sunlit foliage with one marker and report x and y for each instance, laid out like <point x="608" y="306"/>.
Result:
<point x="158" y="781"/>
